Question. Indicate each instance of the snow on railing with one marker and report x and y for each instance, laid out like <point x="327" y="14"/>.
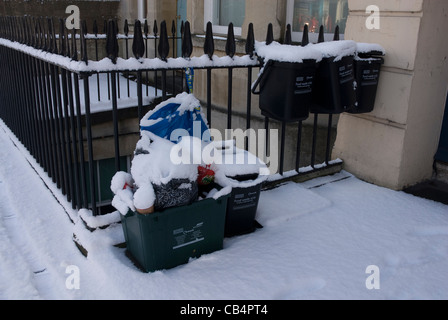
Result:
<point x="44" y="46"/>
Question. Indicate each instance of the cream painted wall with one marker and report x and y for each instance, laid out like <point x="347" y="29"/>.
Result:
<point x="394" y="146"/>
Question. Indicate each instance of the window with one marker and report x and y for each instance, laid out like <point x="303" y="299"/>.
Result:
<point x="223" y="12"/>
<point x="315" y="13"/>
<point x="141" y="9"/>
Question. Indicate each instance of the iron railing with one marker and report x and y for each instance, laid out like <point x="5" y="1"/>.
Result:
<point x="42" y="101"/>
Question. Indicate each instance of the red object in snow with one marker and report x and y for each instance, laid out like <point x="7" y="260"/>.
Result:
<point x="205" y="175"/>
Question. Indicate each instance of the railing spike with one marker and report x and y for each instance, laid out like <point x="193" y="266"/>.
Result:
<point x="45" y="36"/>
<point x="95" y="28"/>
<point x="230" y="43"/>
<point x="173" y="28"/>
<point x="17" y="32"/>
<point x="138" y="45"/>
<point x="32" y="32"/>
<point x="126" y="27"/>
<point x="84" y="27"/>
<point x="62" y="47"/>
<point x="41" y="34"/>
<point x="288" y="36"/>
<point x="182" y="28"/>
<point x="270" y="34"/>
<point x="321" y="35"/>
<point x="18" y="35"/>
<point x="336" y="34"/>
<point x="164" y="46"/>
<point x="305" y="38"/>
<point x="25" y="31"/>
<point x="51" y="37"/>
<point x="30" y="24"/>
<point x="155" y="30"/>
<point x="187" y="42"/>
<point x="250" y="41"/>
<point x="209" y="45"/>
<point x="117" y="30"/>
<point x="83" y="41"/>
<point x="146" y="28"/>
<point x="112" y="42"/>
<point x="74" y="49"/>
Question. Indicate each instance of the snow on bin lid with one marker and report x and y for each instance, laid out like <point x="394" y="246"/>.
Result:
<point x="286" y="53"/>
<point x="336" y="49"/>
<point x="240" y="163"/>
<point x="362" y="47"/>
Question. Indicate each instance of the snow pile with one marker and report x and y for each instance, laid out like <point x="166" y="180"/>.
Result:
<point x="240" y="163"/>
<point x="331" y="49"/>
<point x="152" y="162"/>
<point x="144" y="197"/>
<point x="369" y="47"/>
<point x="286" y="53"/>
<point x="336" y="49"/>
<point x="122" y="187"/>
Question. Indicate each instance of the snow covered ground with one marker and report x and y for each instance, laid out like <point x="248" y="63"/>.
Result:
<point x="318" y="241"/>
<point x="100" y="90"/>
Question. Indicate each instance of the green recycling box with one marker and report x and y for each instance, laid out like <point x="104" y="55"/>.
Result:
<point x="169" y="238"/>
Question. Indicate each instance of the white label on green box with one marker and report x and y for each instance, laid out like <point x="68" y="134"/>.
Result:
<point x="184" y="237"/>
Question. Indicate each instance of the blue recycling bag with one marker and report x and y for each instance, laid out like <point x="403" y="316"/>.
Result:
<point x="177" y="117"/>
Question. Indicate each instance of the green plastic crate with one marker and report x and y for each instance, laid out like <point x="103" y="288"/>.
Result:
<point x="169" y="238"/>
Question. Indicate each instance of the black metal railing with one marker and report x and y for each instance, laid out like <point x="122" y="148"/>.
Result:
<point x="46" y="94"/>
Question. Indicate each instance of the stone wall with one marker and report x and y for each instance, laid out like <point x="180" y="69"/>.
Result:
<point x="394" y="146"/>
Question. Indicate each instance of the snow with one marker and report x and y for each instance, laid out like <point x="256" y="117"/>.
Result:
<point x="154" y="165"/>
<point x="131" y="64"/>
<point x="318" y="240"/>
<point x="286" y="53"/>
<point x="331" y="49"/>
<point x="369" y="47"/>
<point x="120" y="181"/>
<point x="144" y="197"/>
<point x="123" y="99"/>
<point x="336" y="49"/>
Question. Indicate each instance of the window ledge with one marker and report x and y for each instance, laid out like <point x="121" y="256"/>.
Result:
<point x="220" y="43"/>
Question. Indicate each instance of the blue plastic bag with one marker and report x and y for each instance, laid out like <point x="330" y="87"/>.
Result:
<point x="177" y="117"/>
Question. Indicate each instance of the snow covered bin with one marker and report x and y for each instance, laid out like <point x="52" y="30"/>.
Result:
<point x="334" y="89"/>
<point x="285" y="81"/>
<point x="367" y="73"/>
<point x="245" y="174"/>
<point x="165" y="222"/>
<point x="171" y="237"/>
